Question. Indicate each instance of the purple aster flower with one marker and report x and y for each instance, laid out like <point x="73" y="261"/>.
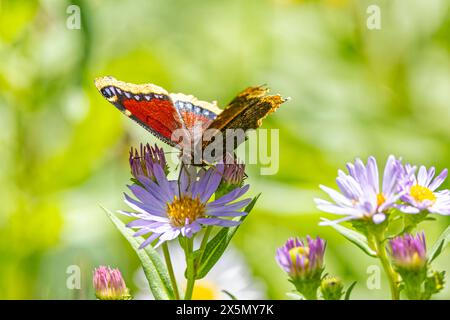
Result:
<point x="360" y="195"/>
<point x="302" y="259"/>
<point x="109" y="284"/>
<point x="420" y="191"/>
<point x="408" y="252"/>
<point x="234" y="171"/>
<point x="169" y="209"/>
<point x="233" y="174"/>
<point x="143" y="161"/>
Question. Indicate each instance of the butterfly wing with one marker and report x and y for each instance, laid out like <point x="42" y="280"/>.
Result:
<point x="247" y="110"/>
<point x="193" y="112"/>
<point x="147" y="104"/>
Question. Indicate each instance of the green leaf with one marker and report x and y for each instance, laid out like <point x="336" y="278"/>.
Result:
<point x="232" y="296"/>
<point x="154" y="269"/>
<point x="354" y="237"/>
<point x="217" y="245"/>
<point x="440" y="244"/>
<point x="349" y="291"/>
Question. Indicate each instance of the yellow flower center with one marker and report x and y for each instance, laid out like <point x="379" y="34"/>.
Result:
<point x="421" y="193"/>
<point x="184" y="208"/>
<point x="205" y="290"/>
<point x="380" y="199"/>
<point x="417" y="260"/>
<point x="303" y="252"/>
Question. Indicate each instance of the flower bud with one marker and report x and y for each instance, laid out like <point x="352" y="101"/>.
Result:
<point x="109" y="284"/>
<point x="332" y="288"/>
<point x="143" y="161"/>
<point x="303" y="262"/>
<point x="233" y="174"/>
<point x="408" y="252"/>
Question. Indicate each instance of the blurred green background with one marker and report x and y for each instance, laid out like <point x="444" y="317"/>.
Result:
<point x="355" y="92"/>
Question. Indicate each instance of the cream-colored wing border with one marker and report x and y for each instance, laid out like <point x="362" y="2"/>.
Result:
<point x="146" y="88"/>
<point x="190" y="98"/>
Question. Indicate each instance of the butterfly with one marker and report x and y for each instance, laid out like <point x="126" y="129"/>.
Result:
<point x="165" y="114"/>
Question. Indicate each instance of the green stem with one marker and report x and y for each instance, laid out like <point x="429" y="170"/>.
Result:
<point x="391" y="274"/>
<point x="190" y="266"/>
<point x="170" y="269"/>
<point x="203" y="246"/>
<point x="308" y="287"/>
<point x="311" y="296"/>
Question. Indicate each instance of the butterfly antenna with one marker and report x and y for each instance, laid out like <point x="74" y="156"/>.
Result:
<point x="179" y="179"/>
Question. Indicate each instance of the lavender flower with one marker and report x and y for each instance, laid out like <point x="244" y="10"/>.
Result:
<point x="300" y="259"/>
<point x="233" y="174"/>
<point x="409" y="258"/>
<point x="142" y="163"/>
<point x="420" y="191"/>
<point x="408" y="252"/>
<point x="234" y="171"/>
<point x="360" y="196"/>
<point x="169" y="209"/>
<point x="109" y="284"/>
<point x="303" y="262"/>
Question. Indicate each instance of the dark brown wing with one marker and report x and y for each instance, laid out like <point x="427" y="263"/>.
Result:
<point x="246" y="111"/>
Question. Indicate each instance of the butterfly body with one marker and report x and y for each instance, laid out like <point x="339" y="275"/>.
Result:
<point x="163" y="113"/>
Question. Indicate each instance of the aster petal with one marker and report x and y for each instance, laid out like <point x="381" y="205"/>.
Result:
<point x="163" y="228"/>
<point x="333" y="208"/>
<point x="163" y="183"/>
<point x="167" y="236"/>
<point x="345" y="188"/>
<point x="442" y="204"/>
<point x="218" y="222"/>
<point x="154" y="189"/>
<point x="408" y="209"/>
<point x="350" y="184"/>
<point x="201" y="183"/>
<point x="231" y="207"/>
<point x="389" y="202"/>
<point x="141" y="232"/>
<point x="211" y="187"/>
<point x="191" y="229"/>
<point x="325" y="222"/>
<point x="144" y="223"/>
<point x="372" y="174"/>
<point x="390" y="176"/>
<point x="336" y="196"/>
<point x="360" y="171"/>
<point x="186" y="178"/>
<point x="430" y="176"/>
<point x="144" y="196"/>
<point x="378" y="218"/>
<point x="226" y="213"/>
<point x="144" y="208"/>
<point x="445" y="211"/>
<point x="422" y="176"/>
<point x="369" y="207"/>
<point x="128" y="214"/>
<point x="351" y="169"/>
<point x="438" y="180"/>
<point x="149" y="240"/>
<point x="230" y="196"/>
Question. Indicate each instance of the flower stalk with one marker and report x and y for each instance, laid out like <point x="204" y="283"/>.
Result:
<point x="169" y="266"/>
<point x="190" y="268"/>
<point x="380" y="248"/>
